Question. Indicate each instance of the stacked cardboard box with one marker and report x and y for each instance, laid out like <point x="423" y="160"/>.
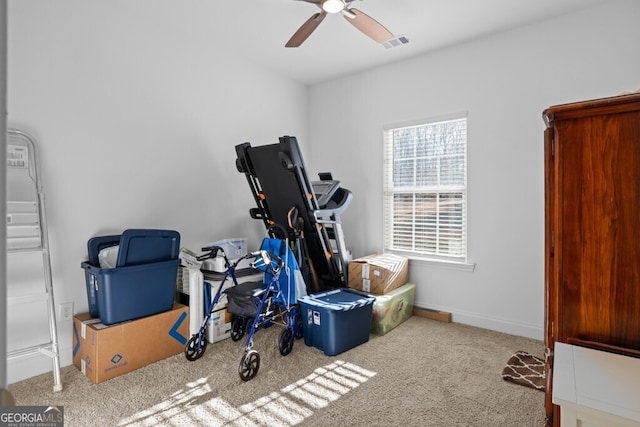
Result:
<point x="103" y="352"/>
<point x="378" y="273"/>
<point x="385" y="277"/>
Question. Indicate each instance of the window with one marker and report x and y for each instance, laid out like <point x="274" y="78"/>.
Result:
<point x="425" y="190"/>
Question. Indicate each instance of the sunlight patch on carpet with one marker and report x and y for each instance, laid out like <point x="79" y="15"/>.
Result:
<point x="285" y="408"/>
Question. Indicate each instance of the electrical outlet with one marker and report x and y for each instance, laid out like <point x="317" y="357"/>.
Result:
<point x="65" y="311"/>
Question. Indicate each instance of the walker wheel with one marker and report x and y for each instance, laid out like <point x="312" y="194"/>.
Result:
<point x="249" y="365"/>
<point x="192" y="350"/>
<point x="285" y="342"/>
<point x="237" y="328"/>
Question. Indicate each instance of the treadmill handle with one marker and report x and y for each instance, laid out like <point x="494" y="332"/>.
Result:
<point x="255" y="213"/>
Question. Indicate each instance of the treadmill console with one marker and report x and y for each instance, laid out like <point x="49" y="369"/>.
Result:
<point x="324" y="190"/>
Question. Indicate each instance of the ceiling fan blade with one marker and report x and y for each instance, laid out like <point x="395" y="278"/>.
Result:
<point x="305" y="30"/>
<point x="369" y="26"/>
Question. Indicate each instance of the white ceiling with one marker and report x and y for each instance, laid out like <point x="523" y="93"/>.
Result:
<point x="258" y="29"/>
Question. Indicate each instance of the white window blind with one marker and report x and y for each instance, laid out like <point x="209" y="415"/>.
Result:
<point x="425" y="190"/>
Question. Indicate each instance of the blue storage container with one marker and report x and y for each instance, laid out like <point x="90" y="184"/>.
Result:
<point x="337" y="320"/>
<point x="145" y="246"/>
<point x="144" y="280"/>
<point x="94" y="246"/>
<point x="127" y="293"/>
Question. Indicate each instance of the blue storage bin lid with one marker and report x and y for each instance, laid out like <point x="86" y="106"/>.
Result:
<point x="142" y="246"/>
<point x="342" y="299"/>
<point x="96" y="244"/>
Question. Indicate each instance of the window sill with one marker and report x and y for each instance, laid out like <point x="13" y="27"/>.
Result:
<point x="438" y="263"/>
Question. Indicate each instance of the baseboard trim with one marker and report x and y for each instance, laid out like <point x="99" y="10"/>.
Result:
<point x="481" y="321"/>
<point x="441" y="316"/>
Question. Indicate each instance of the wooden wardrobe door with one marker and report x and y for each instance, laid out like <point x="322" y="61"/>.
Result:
<point x="600" y="267"/>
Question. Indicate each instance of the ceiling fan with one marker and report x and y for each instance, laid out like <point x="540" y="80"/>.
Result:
<point x="363" y="22"/>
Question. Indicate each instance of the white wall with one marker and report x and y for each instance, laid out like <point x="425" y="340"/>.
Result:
<point x="504" y="82"/>
<point x="137" y="118"/>
<point x="137" y="115"/>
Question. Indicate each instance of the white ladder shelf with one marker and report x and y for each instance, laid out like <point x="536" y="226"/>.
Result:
<point x="27" y="233"/>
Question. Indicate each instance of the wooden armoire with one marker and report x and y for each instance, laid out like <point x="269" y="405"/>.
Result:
<point x="592" y="228"/>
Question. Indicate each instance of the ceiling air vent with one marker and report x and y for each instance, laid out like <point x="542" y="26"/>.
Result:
<point x="396" y="41"/>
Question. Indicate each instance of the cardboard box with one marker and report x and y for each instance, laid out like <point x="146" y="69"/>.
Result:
<point x="378" y="273"/>
<point x="219" y="326"/>
<point x="103" y="352"/>
<point x="393" y="308"/>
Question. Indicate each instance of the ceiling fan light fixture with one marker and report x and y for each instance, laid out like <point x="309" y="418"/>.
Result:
<point x="360" y="20"/>
<point x="333" y="6"/>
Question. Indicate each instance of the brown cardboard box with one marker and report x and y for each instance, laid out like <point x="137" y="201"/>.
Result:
<point x="219" y="326"/>
<point x="378" y="273"/>
<point x="104" y="352"/>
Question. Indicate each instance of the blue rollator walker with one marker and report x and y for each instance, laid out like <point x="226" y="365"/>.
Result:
<point x="197" y="344"/>
<point x="272" y="302"/>
<point x="256" y="304"/>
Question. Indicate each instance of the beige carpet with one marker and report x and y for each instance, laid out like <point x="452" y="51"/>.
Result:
<point x="423" y="373"/>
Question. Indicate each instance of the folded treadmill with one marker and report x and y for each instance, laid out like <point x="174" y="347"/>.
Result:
<point x="284" y="194"/>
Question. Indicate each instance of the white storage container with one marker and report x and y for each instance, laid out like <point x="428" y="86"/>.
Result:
<point x="234" y="247"/>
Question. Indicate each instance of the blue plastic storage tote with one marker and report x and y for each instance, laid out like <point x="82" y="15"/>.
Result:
<point x="337" y="320"/>
<point x="94" y="246"/>
<point x="145" y="246"/>
<point x="127" y="293"/>
<point x="144" y="280"/>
